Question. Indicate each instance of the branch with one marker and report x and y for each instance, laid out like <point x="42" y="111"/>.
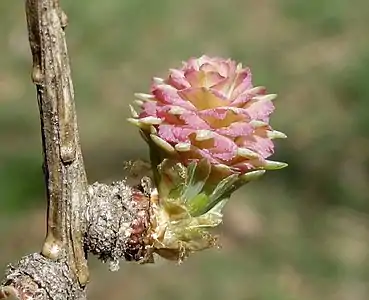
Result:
<point x="65" y="177"/>
<point x="110" y="221"/>
<point x="116" y="218"/>
<point x="63" y="264"/>
<point x="36" y="277"/>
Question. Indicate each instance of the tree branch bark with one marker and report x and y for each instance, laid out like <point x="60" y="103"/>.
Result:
<point x="110" y="221"/>
<point x="116" y="219"/>
<point x="61" y="271"/>
<point x="65" y="177"/>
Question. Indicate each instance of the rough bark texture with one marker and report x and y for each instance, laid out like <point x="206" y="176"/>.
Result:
<point x="37" y="277"/>
<point x="118" y="219"/>
<point x="107" y="220"/>
<point x="65" y="177"/>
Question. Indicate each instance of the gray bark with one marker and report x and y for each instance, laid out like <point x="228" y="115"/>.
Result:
<point x="110" y="221"/>
<point x="116" y="218"/>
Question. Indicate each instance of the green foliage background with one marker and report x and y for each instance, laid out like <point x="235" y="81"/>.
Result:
<point x="301" y="233"/>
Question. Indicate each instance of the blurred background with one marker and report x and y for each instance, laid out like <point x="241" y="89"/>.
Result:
<point x="301" y="233"/>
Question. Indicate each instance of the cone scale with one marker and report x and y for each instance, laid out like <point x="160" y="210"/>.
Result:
<point x="208" y="132"/>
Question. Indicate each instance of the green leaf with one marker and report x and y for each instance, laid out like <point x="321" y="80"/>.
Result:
<point x="197" y="204"/>
<point x="196" y="177"/>
<point x="212" y="218"/>
<point x="155" y="159"/>
<point x="176" y="192"/>
<point x="221" y="191"/>
<point x="217" y="208"/>
<point x="171" y="178"/>
<point x="246" y="178"/>
<point x="175" y="211"/>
